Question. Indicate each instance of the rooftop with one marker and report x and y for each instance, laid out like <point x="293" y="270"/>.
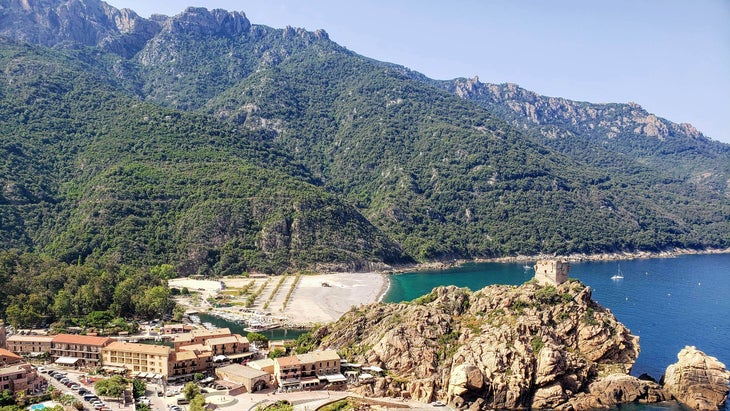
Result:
<point x="260" y="364"/>
<point x="138" y="348"/>
<point x="30" y="338"/>
<point x="217" y="332"/>
<point x="195" y="347"/>
<point x="81" y="339"/>
<point x="316" y="356"/>
<point x="14" y="369"/>
<point x="185" y="355"/>
<point x="239" y="370"/>
<point x="287" y="361"/>
<point x="230" y="339"/>
<point x="9" y="354"/>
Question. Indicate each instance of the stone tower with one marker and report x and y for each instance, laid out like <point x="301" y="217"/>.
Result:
<point x="551" y="272"/>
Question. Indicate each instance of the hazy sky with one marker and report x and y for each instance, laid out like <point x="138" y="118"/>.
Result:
<point x="670" y="56"/>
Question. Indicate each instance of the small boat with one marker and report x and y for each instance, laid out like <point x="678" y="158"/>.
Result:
<point x="618" y="275"/>
<point x="527" y="267"/>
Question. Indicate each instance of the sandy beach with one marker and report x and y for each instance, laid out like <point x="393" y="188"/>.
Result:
<point x="312" y="302"/>
<point x="312" y="299"/>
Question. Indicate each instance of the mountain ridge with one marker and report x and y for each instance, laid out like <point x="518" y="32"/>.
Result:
<point x="421" y="166"/>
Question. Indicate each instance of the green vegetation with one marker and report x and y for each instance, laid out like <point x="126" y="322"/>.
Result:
<point x="41" y="290"/>
<point x="536" y="343"/>
<point x="197" y="403"/>
<point x="139" y="388"/>
<point x="348" y="404"/>
<point x="273" y="151"/>
<point x="291" y="290"/>
<point x="425" y="299"/>
<point x="111" y="387"/>
<point x="282" y="405"/>
<point x="276" y="290"/>
<point x="191" y="390"/>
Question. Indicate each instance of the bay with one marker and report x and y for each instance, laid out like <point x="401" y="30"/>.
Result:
<point x="667" y="302"/>
<point x="273" y="335"/>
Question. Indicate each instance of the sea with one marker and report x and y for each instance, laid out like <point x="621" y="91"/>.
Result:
<point x="668" y="302"/>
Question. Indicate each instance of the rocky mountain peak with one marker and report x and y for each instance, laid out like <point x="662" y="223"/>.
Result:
<point x="71" y="22"/>
<point x="201" y="21"/>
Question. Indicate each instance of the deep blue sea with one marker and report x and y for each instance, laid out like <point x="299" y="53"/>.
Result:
<point x="667" y="302"/>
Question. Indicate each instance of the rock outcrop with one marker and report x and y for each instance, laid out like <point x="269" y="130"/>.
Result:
<point x="697" y="380"/>
<point x="59" y="23"/>
<point x="501" y="347"/>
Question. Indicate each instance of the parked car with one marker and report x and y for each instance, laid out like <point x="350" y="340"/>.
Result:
<point x="438" y="404"/>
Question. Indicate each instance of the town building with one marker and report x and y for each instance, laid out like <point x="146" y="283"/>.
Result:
<point x="30" y="345"/>
<point x="309" y="370"/>
<point x="199" y="337"/>
<point x="140" y="358"/>
<point x="20" y="377"/>
<point x="551" y="272"/>
<point x="7" y="357"/>
<point x="251" y="378"/>
<point x="228" y="345"/>
<point x="191" y="359"/>
<point x="265" y="364"/>
<point x="176" y="329"/>
<point x="78" y="350"/>
<point x="287" y="371"/>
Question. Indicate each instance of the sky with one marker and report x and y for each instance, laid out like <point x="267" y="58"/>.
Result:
<point x="670" y="56"/>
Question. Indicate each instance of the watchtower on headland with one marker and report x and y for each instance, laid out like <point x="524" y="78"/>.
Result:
<point x="551" y="272"/>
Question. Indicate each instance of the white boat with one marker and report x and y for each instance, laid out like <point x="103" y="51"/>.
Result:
<point x="618" y="275"/>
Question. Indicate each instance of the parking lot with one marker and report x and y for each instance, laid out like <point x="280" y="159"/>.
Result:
<point x="76" y="384"/>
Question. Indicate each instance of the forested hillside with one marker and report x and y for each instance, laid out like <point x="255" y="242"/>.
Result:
<point x="221" y="146"/>
<point x="91" y="173"/>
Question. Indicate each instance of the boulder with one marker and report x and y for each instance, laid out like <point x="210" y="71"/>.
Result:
<point x="465" y="378"/>
<point x="697" y="380"/>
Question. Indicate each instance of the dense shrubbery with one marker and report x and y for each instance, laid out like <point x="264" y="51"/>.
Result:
<point x="39" y="290"/>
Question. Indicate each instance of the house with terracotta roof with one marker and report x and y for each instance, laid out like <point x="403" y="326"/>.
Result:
<point x="7" y="357"/>
<point x="147" y="358"/>
<point x="78" y="350"/>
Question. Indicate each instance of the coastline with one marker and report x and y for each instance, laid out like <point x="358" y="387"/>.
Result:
<point x="578" y="257"/>
<point x="325" y="297"/>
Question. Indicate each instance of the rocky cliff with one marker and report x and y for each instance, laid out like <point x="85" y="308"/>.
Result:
<point x="501" y="347"/>
<point x="697" y="380"/>
<point x="596" y="133"/>
<point x="73" y="22"/>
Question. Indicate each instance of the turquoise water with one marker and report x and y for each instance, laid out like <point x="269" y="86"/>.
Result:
<point x="37" y="407"/>
<point x="272" y="335"/>
<point x="667" y="302"/>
